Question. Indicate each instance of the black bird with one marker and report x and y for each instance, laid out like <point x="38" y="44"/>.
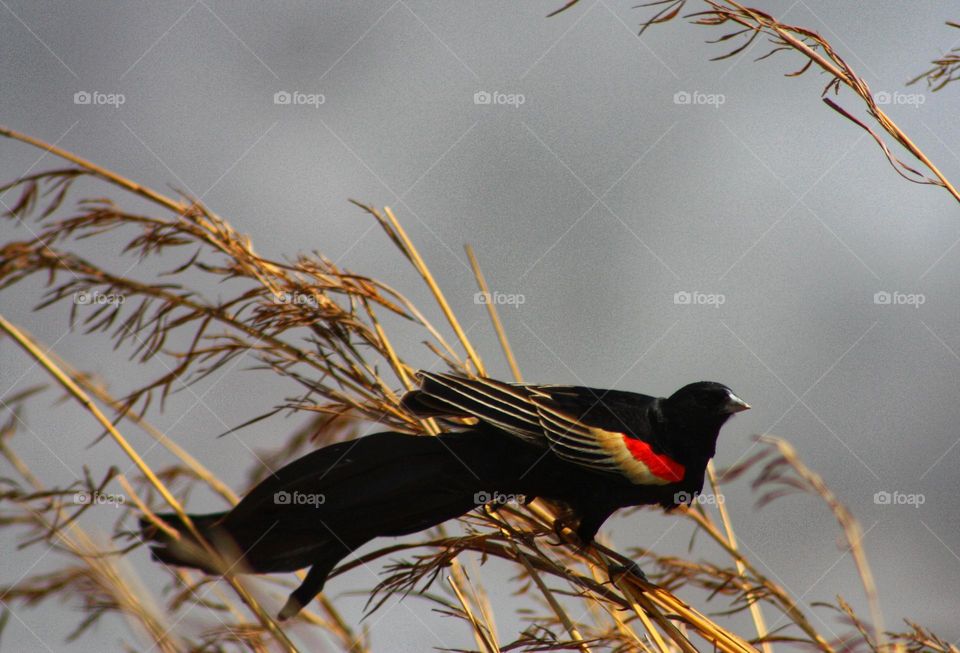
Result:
<point x="594" y="450"/>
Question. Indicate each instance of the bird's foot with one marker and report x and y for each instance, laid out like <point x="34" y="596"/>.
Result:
<point x="567" y="536"/>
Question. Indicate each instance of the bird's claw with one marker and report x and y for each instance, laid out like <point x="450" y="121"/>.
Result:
<point x="566" y="536"/>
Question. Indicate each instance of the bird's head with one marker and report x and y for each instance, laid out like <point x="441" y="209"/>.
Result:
<point x="708" y="398"/>
<point x="701" y="407"/>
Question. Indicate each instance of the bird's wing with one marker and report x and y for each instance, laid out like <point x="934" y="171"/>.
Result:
<point x="604" y="450"/>
<point x="542" y="415"/>
<point x="504" y="405"/>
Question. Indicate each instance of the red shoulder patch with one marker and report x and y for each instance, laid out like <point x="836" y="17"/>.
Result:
<point x="660" y="465"/>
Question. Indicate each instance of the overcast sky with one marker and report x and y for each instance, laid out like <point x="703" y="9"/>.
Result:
<point x="655" y="217"/>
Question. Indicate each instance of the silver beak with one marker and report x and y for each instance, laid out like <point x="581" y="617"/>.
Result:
<point x="735" y="404"/>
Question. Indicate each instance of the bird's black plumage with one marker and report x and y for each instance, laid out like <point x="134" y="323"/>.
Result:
<point x="595" y="450"/>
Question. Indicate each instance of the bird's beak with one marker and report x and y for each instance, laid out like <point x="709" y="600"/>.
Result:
<point x="735" y="404"/>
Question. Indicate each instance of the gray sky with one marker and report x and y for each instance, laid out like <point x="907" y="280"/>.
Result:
<point x="588" y="185"/>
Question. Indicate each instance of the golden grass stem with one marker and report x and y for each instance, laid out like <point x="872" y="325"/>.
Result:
<point x="644" y="607"/>
<point x="785" y="601"/>
<point x="755" y="611"/>
<point x="199" y="469"/>
<point x="435" y="289"/>
<point x="402" y="371"/>
<point x="103" y="173"/>
<point x="645" y="620"/>
<point x="852" y="532"/>
<point x="482" y="600"/>
<point x="558" y="610"/>
<point x="480" y="633"/>
<point x="854" y="84"/>
<point x="81" y="545"/>
<point x="494" y="316"/>
<point x="68" y="383"/>
<point x="614" y="614"/>
<point x="722" y="638"/>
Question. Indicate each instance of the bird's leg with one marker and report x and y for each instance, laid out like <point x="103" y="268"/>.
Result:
<point x="587" y="531"/>
<point x="309" y="588"/>
<point x="583" y="536"/>
<point x="590" y="523"/>
<point x="566" y="518"/>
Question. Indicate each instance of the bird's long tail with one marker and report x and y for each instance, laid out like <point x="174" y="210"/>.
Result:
<point x="318" y="509"/>
<point x="183" y="549"/>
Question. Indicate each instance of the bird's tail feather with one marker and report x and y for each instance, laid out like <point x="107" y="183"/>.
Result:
<point x="183" y="550"/>
<point x="235" y="548"/>
<point x="318" y="509"/>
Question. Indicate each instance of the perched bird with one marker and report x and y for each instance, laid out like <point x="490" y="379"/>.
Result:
<point x="594" y="450"/>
